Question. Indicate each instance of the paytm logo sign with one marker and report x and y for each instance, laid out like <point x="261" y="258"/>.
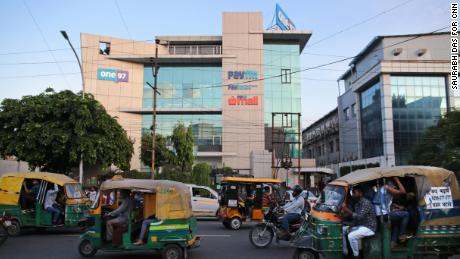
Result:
<point x="112" y="75"/>
<point x="247" y="74"/>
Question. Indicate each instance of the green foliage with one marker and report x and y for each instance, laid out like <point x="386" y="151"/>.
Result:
<point x="441" y="144"/>
<point x="201" y="174"/>
<point x="173" y="173"/>
<point x="52" y="130"/>
<point x="163" y="155"/>
<point x="182" y="140"/>
<point x="226" y="170"/>
<point x="347" y="169"/>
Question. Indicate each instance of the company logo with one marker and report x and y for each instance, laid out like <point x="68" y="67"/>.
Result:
<point x="240" y="87"/>
<point x="247" y="74"/>
<point x="112" y="75"/>
<point x="243" y="100"/>
<point x="282" y="20"/>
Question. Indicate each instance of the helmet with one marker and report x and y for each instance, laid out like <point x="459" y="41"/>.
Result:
<point x="297" y="190"/>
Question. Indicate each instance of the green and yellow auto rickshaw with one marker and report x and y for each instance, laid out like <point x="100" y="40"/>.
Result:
<point x="27" y="207"/>
<point x="172" y="233"/>
<point x="437" y="208"/>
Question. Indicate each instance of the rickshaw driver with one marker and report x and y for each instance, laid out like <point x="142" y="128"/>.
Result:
<point x="364" y="221"/>
<point x="293" y="210"/>
<point x="121" y="214"/>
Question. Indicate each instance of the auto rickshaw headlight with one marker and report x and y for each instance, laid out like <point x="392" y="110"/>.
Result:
<point x="322" y="230"/>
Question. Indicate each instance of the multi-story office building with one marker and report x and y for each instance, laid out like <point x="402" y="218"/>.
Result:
<point x="395" y="89"/>
<point x="226" y="87"/>
<point x="320" y="140"/>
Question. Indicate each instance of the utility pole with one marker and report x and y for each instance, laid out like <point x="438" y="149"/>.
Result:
<point x="66" y="37"/>
<point x="155" y="68"/>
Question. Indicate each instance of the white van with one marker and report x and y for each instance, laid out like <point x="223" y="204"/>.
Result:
<point x="205" y="201"/>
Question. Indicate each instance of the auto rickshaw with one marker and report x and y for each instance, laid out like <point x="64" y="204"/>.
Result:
<point x="31" y="212"/>
<point x="437" y="232"/>
<point x="169" y="202"/>
<point x="234" y="205"/>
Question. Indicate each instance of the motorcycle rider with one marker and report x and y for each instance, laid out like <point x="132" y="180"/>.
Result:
<point x="293" y="210"/>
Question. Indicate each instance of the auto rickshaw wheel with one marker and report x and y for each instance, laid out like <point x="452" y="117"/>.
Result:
<point x="86" y="249"/>
<point x="172" y="251"/>
<point x="305" y="254"/>
<point x="235" y="223"/>
<point x="14" y="229"/>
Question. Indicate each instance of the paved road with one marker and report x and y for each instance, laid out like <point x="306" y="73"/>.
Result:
<point x="217" y="242"/>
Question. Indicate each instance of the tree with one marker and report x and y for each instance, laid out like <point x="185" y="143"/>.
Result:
<point x="163" y="155"/>
<point x="182" y="139"/>
<point x="441" y="144"/>
<point x="52" y="130"/>
<point x="201" y="174"/>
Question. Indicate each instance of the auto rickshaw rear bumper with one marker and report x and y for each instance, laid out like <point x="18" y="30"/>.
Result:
<point x="305" y="241"/>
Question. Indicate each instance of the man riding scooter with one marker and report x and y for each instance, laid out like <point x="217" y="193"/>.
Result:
<point x="293" y="211"/>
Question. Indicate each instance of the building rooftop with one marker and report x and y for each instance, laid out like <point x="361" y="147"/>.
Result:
<point x="314" y="124"/>
<point x="376" y="40"/>
<point x="189" y="39"/>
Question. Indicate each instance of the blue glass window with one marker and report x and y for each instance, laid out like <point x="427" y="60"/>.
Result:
<point x="418" y="103"/>
<point x="371" y="122"/>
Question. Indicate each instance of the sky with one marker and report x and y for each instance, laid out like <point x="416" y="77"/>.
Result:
<point x="34" y="56"/>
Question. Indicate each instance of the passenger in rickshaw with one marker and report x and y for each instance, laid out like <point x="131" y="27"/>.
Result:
<point x="121" y="214"/>
<point x="391" y="201"/>
<point x="363" y="224"/>
<point x="52" y="206"/>
<point x="249" y="202"/>
<point x="29" y="196"/>
<point x="293" y="210"/>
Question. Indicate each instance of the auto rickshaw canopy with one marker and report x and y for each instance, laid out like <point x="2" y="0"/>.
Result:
<point x="250" y="180"/>
<point x="173" y="200"/>
<point x="59" y="179"/>
<point x="11" y="184"/>
<point x="425" y="178"/>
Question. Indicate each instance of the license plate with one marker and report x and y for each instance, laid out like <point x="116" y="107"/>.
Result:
<point x="7" y="223"/>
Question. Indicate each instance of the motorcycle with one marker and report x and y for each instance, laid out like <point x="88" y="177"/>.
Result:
<point x="5" y="223"/>
<point x="262" y="234"/>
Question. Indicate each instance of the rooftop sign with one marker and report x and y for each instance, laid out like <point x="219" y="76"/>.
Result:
<point x="282" y="20"/>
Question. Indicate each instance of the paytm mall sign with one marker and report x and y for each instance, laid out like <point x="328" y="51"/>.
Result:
<point x="249" y="75"/>
<point x="114" y="75"/>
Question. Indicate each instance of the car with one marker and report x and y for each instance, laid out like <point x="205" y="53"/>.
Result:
<point x="307" y="195"/>
<point x="205" y="201"/>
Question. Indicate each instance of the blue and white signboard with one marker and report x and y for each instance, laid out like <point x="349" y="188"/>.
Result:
<point x="112" y="74"/>
<point x="282" y="20"/>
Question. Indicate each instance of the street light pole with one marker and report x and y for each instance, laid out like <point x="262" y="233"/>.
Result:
<point x="155" y="68"/>
<point x="66" y="37"/>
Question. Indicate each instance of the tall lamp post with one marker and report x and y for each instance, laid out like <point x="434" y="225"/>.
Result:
<point x="155" y="68"/>
<point x="66" y="37"/>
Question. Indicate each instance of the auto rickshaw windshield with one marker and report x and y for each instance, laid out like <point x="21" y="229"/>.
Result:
<point x="73" y="191"/>
<point x="331" y="198"/>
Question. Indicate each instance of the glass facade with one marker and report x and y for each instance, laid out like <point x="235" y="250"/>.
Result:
<point x="187" y="87"/>
<point x="282" y="94"/>
<point x="371" y="122"/>
<point x="418" y="103"/>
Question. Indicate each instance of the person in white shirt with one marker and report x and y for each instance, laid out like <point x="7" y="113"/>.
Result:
<point x="92" y="194"/>
<point x="293" y="209"/>
<point x="51" y="205"/>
